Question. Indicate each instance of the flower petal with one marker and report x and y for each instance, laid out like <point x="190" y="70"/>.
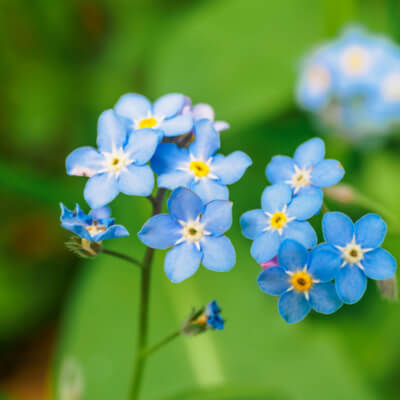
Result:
<point x="325" y="262"/>
<point x="203" y="111"/>
<point x="324" y="299"/>
<point x="174" y="179"/>
<point x="379" y="264"/>
<point x="253" y="223"/>
<point x="231" y="168"/>
<point x="370" y="231"/>
<point x="221" y="126"/>
<point x="177" y="125"/>
<point x="210" y="190"/>
<point x="111" y="132"/>
<point x="218" y="253"/>
<point x="160" y="232"/>
<point x="302" y="232"/>
<point x="100" y="213"/>
<point x="79" y="230"/>
<point x="351" y="284"/>
<point x="274" y="281"/>
<point x="292" y="255"/>
<point x="206" y="141"/>
<point x="133" y="106"/>
<point x="100" y="190"/>
<point x="169" y="157"/>
<point x="265" y="246"/>
<point x="113" y="232"/>
<point x="84" y="161"/>
<point x="280" y="169"/>
<point x="276" y="197"/>
<point x="327" y="173"/>
<point x="169" y="105"/>
<point x="142" y="145"/>
<point x="293" y="306"/>
<point x="217" y="216"/>
<point x="136" y="180"/>
<point x="337" y="228"/>
<point x="310" y="153"/>
<point x="306" y="204"/>
<point x="185" y="205"/>
<point x="182" y="261"/>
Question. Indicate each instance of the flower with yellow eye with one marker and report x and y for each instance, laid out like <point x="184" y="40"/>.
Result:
<point x="302" y="280"/>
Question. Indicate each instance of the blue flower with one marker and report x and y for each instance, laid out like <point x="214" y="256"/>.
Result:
<point x="95" y="227"/>
<point x="213" y="316"/>
<point x="357" y="249"/>
<point x="198" y="167"/>
<point x="195" y="233"/>
<point x="308" y="168"/>
<point x="282" y="217"/>
<point x="119" y="164"/>
<point x="302" y="280"/>
<point x="164" y="115"/>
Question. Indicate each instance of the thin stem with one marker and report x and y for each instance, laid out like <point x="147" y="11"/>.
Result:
<point x="161" y="343"/>
<point x="122" y="256"/>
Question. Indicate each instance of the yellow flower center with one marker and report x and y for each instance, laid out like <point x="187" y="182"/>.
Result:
<point x="95" y="228"/>
<point x="199" y="168"/>
<point x="202" y="320"/>
<point x="302" y="281"/>
<point x="147" y="123"/>
<point x="278" y="220"/>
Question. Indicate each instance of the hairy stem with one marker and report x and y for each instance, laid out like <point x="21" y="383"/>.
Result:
<point x="161" y="343"/>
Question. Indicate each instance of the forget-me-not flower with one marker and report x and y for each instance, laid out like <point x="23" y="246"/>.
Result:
<point x="194" y="231"/>
<point x="198" y="167"/>
<point x="119" y="164"/>
<point x="357" y="247"/>
<point x="282" y="217"/>
<point x="308" y="168"/>
<point x="302" y="280"/>
<point x="212" y="316"/>
<point x="164" y="115"/>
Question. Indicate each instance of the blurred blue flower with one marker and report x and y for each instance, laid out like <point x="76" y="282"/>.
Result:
<point x="95" y="227"/>
<point x="119" y="164"/>
<point x="198" y="167"/>
<point x="308" y="168"/>
<point x="213" y="316"/>
<point x="282" y="217"/>
<point x="302" y="280"/>
<point x="357" y="248"/>
<point x="164" y="115"/>
<point x="195" y="233"/>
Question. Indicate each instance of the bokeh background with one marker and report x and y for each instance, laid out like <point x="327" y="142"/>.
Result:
<point x="67" y="325"/>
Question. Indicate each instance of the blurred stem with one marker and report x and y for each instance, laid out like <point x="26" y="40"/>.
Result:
<point x="163" y="342"/>
<point x="140" y="359"/>
<point x="393" y="8"/>
<point x="325" y="208"/>
<point x="125" y="257"/>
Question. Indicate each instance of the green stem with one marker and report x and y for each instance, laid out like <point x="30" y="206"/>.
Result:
<point x="393" y="15"/>
<point x="125" y="257"/>
<point x="162" y="343"/>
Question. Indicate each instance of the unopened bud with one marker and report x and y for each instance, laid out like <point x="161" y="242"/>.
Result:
<point x="342" y="193"/>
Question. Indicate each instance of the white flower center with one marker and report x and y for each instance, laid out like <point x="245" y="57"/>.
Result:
<point x="116" y="161"/>
<point x="352" y="253"/>
<point x="95" y="228"/>
<point x="301" y="178"/>
<point x="390" y="87"/>
<point x="355" y="60"/>
<point x="192" y="231"/>
<point x="318" y="78"/>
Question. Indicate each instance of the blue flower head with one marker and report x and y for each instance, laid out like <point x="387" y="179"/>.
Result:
<point x="119" y="164"/>
<point x="307" y="169"/>
<point x="195" y="232"/>
<point x="282" y="217"/>
<point x="213" y="316"/>
<point x="164" y="115"/>
<point x="198" y="167"/>
<point x="356" y="247"/>
<point x="95" y="227"/>
<point x="302" y="280"/>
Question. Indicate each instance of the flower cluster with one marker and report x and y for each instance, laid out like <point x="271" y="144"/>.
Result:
<point x="353" y="83"/>
<point x="306" y="275"/>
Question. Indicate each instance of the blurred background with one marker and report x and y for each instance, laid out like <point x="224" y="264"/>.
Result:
<point x="67" y="325"/>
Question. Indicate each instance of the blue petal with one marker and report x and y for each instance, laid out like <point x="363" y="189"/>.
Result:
<point x="338" y="228"/>
<point x="160" y="232"/>
<point x="206" y="141"/>
<point x="292" y="255"/>
<point x="177" y="126"/>
<point x="210" y="190"/>
<point x="280" y="169"/>
<point x="275" y="197"/>
<point x="253" y="223"/>
<point x="379" y="264"/>
<point x="351" y="284"/>
<point x="310" y="153"/>
<point x="114" y="231"/>
<point x="231" y="168"/>
<point x="111" y="132"/>
<point x="100" y="213"/>
<point x="325" y="262"/>
<point x="169" y="105"/>
<point x="324" y="299"/>
<point x="136" y="180"/>
<point x="293" y="306"/>
<point x="67" y="215"/>
<point x="100" y="190"/>
<point x="185" y="205"/>
<point x="218" y="253"/>
<point x="305" y="205"/>
<point x="327" y="173"/>
<point x="217" y="216"/>
<point x="302" y="232"/>
<point x="273" y="281"/>
<point x="265" y="246"/>
<point x="182" y="261"/>
<point x="133" y="106"/>
<point x="169" y="157"/>
<point x="370" y="231"/>
<point x="84" y="161"/>
<point x="142" y="145"/>
<point x="174" y="179"/>
<point x="77" y="229"/>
